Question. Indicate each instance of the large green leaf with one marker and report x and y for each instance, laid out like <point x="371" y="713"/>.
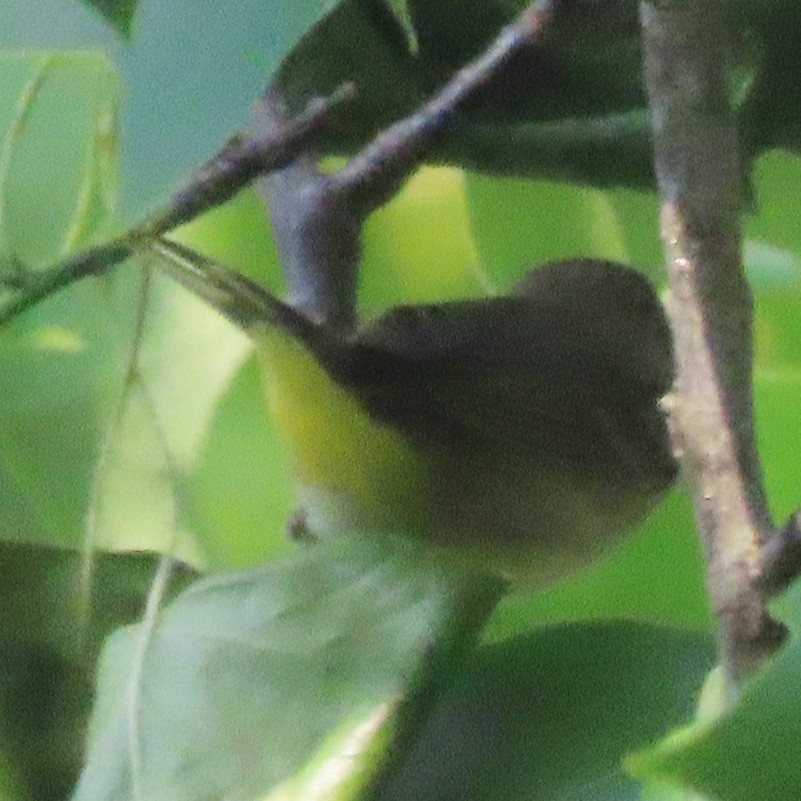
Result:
<point x="752" y="751"/>
<point x="549" y="716"/>
<point x="57" y="186"/>
<point x="293" y="679"/>
<point x="571" y="109"/>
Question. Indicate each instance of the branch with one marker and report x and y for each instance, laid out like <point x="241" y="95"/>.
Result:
<point x="318" y="218"/>
<point x="686" y="53"/>
<point x="376" y="174"/>
<point x="241" y="159"/>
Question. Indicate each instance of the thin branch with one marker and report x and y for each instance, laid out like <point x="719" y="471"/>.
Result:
<point x="374" y="176"/>
<point x="318" y="218"/>
<point x="242" y="159"/>
<point x="41" y="285"/>
<point x="686" y="53"/>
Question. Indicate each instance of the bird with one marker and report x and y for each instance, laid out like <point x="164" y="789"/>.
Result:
<point x="520" y="435"/>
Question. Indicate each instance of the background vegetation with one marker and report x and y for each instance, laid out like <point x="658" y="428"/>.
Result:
<point x="165" y="448"/>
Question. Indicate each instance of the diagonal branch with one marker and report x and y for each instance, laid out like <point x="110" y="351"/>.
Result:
<point x="686" y="52"/>
<point x="318" y="218"/>
<point x="241" y="159"/>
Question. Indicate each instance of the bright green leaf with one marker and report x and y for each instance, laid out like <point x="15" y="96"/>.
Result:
<point x="266" y="679"/>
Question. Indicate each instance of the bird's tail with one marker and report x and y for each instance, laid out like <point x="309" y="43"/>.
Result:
<point x="241" y="300"/>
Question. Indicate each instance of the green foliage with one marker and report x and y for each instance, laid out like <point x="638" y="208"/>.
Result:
<point x="256" y="683"/>
<point x="573" y="110"/>
<point x="549" y="715"/>
<point x="256" y="676"/>
<point x="120" y="13"/>
<point x="48" y="649"/>
<point x="750" y="752"/>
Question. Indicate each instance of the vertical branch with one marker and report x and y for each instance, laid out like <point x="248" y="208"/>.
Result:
<point x="317" y="233"/>
<point x="686" y="52"/>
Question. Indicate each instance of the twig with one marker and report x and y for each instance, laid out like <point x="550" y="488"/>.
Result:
<point x="374" y="176"/>
<point x="318" y="218"/>
<point x="242" y="159"/>
<point x="696" y="163"/>
<point x="41" y="285"/>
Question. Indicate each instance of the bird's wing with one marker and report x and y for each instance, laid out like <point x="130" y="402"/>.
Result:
<point x="568" y="369"/>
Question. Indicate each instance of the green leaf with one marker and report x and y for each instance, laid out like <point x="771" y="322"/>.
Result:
<point x="42" y="605"/>
<point x="57" y="192"/>
<point x="120" y="13"/>
<point x="749" y="753"/>
<point x="572" y="109"/>
<point x="58" y="168"/>
<point x="571" y="222"/>
<point x="49" y="639"/>
<point x="266" y="680"/>
<point x="549" y="716"/>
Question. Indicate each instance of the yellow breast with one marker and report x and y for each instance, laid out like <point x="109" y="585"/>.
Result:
<point x="351" y="473"/>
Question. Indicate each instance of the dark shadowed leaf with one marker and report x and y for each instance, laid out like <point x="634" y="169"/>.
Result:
<point x="48" y="647"/>
<point x="571" y="109"/>
<point x="549" y="716"/>
<point x="120" y="13"/>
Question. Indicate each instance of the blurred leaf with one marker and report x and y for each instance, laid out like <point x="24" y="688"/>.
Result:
<point x="44" y="707"/>
<point x="156" y="429"/>
<point x="42" y="606"/>
<point x="751" y="752"/>
<point x="267" y="679"/>
<point x="57" y="190"/>
<point x="419" y="248"/>
<point x="238" y="482"/>
<point x="58" y="171"/>
<point x="48" y="646"/>
<point x="549" y="716"/>
<point x="520" y="224"/>
<point x="119" y="13"/>
<point x="571" y="109"/>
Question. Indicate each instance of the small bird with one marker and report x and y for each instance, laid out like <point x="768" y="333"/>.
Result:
<point x="520" y="434"/>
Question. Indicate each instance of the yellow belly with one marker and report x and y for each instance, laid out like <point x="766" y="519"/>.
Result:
<point x="351" y="473"/>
